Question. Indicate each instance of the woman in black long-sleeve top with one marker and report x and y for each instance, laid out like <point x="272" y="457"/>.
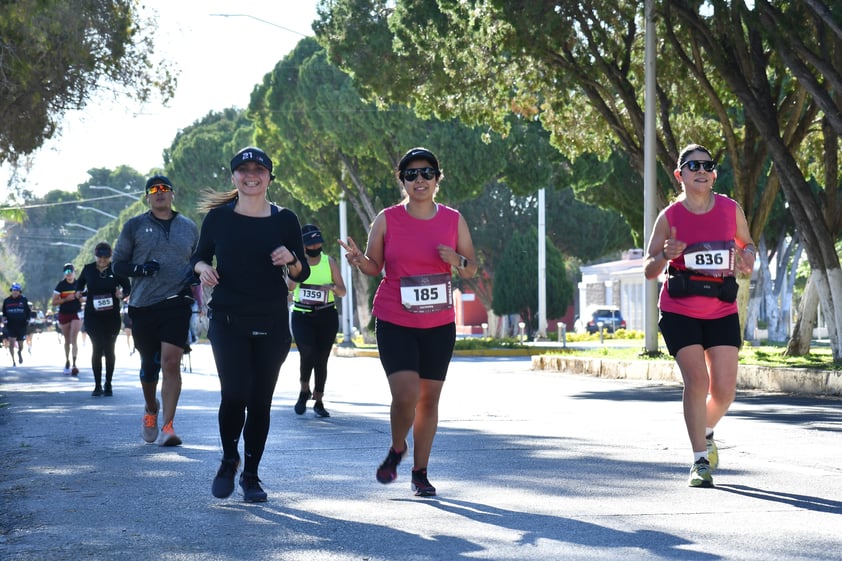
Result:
<point x="256" y="244"/>
<point x="105" y="290"/>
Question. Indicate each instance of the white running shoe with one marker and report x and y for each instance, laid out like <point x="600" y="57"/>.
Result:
<point x="149" y="431"/>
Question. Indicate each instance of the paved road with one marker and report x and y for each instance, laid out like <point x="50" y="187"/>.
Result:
<point x="529" y="466"/>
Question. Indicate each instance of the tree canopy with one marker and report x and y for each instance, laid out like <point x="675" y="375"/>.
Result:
<point x="749" y="80"/>
<point x="55" y="54"/>
<point x="512" y="295"/>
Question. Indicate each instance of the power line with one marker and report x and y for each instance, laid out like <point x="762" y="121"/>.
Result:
<point x="73" y="202"/>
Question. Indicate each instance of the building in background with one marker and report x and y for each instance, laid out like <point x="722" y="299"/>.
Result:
<point x="618" y="283"/>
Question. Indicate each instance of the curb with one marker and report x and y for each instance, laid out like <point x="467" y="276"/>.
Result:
<point x="800" y="381"/>
<point x="749" y="377"/>
<point x="372" y="353"/>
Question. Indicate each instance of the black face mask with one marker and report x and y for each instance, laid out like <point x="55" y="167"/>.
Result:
<point x="313" y="252"/>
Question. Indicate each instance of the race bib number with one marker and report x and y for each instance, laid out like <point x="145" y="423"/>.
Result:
<point x="104" y="302"/>
<point x="313" y="294"/>
<point x="712" y="258"/>
<point x="423" y="294"/>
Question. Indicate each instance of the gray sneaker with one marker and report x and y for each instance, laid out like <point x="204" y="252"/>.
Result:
<point x="149" y="431"/>
<point x="700" y="474"/>
<point x="713" y="452"/>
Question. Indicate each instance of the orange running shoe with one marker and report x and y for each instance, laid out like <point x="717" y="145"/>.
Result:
<point x="168" y="436"/>
<point x="149" y="431"/>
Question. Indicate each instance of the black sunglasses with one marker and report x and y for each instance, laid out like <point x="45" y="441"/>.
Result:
<point x="695" y="165"/>
<point x="426" y="173"/>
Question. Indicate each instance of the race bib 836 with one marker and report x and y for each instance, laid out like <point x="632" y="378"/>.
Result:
<point x="712" y="258"/>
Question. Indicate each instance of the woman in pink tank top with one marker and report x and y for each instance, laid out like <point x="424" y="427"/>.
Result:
<point x="417" y="243"/>
<point x="703" y="240"/>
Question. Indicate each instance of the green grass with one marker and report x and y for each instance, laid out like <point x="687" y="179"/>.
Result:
<point x="819" y="358"/>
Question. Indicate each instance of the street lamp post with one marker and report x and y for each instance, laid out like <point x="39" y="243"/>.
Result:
<point x="348" y="277"/>
<point x="113" y="190"/>
<point x="102" y="212"/>
<point x="88" y="228"/>
<point x="261" y="21"/>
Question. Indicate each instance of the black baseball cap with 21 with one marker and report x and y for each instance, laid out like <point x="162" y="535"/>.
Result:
<point x="252" y="154"/>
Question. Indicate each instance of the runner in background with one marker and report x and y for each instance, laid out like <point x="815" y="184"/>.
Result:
<point x="69" y="322"/>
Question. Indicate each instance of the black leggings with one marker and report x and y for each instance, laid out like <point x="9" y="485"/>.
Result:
<point x="248" y="366"/>
<point x="315" y="333"/>
<point x="103" y="332"/>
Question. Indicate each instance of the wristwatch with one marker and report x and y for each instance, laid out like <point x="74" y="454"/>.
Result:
<point x="463" y="262"/>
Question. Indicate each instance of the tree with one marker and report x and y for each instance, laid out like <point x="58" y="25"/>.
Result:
<point x="806" y="39"/>
<point x="199" y="156"/>
<point x="55" y="54"/>
<point x="53" y="231"/>
<point x="512" y="295"/>
<point x="330" y="142"/>
<point x="578" y="67"/>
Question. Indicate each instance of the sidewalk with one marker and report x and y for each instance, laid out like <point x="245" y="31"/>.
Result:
<point x="548" y="356"/>
<point x="530" y="466"/>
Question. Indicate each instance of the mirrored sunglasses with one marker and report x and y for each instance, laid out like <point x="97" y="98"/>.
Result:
<point x="158" y="188"/>
<point x="695" y="165"/>
<point x="427" y="173"/>
<point x="102" y="253"/>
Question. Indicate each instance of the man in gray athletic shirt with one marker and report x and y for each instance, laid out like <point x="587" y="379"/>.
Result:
<point x="154" y="249"/>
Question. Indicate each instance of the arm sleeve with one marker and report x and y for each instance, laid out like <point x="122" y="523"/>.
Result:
<point x="121" y="262"/>
<point x="296" y="246"/>
<point x="205" y="248"/>
<point x="126" y="284"/>
<point x="81" y="282"/>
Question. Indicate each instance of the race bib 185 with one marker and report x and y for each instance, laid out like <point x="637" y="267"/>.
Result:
<point x="422" y="294"/>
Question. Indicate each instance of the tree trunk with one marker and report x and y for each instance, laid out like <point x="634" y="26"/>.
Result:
<point x="361" y="298"/>
<point x="802" y="332"/>
<point x="752" y="307"/>
<point x="786" y="298"/>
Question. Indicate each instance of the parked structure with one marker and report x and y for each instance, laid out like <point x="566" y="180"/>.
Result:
<point x="618" y="283"/>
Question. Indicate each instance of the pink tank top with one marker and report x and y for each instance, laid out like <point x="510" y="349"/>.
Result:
<point x="410" y="252"/>
<point x="718" y="224"/>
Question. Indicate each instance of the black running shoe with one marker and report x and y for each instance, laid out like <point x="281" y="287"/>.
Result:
<point x="252" y="491"/>
<point x="97" y="392"/>
<point x="319" y="410"/>
<point x="388" y="470"/>
<point x="421" y="485"/>
<point x="107" y="392"/>
<point x="223" y="483"/>
<point x="301" y="404"/>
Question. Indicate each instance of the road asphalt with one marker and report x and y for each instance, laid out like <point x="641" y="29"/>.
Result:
<point x="529" y="464"/>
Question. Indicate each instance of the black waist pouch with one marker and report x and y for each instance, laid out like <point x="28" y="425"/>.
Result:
<point x="684" y="283"/>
